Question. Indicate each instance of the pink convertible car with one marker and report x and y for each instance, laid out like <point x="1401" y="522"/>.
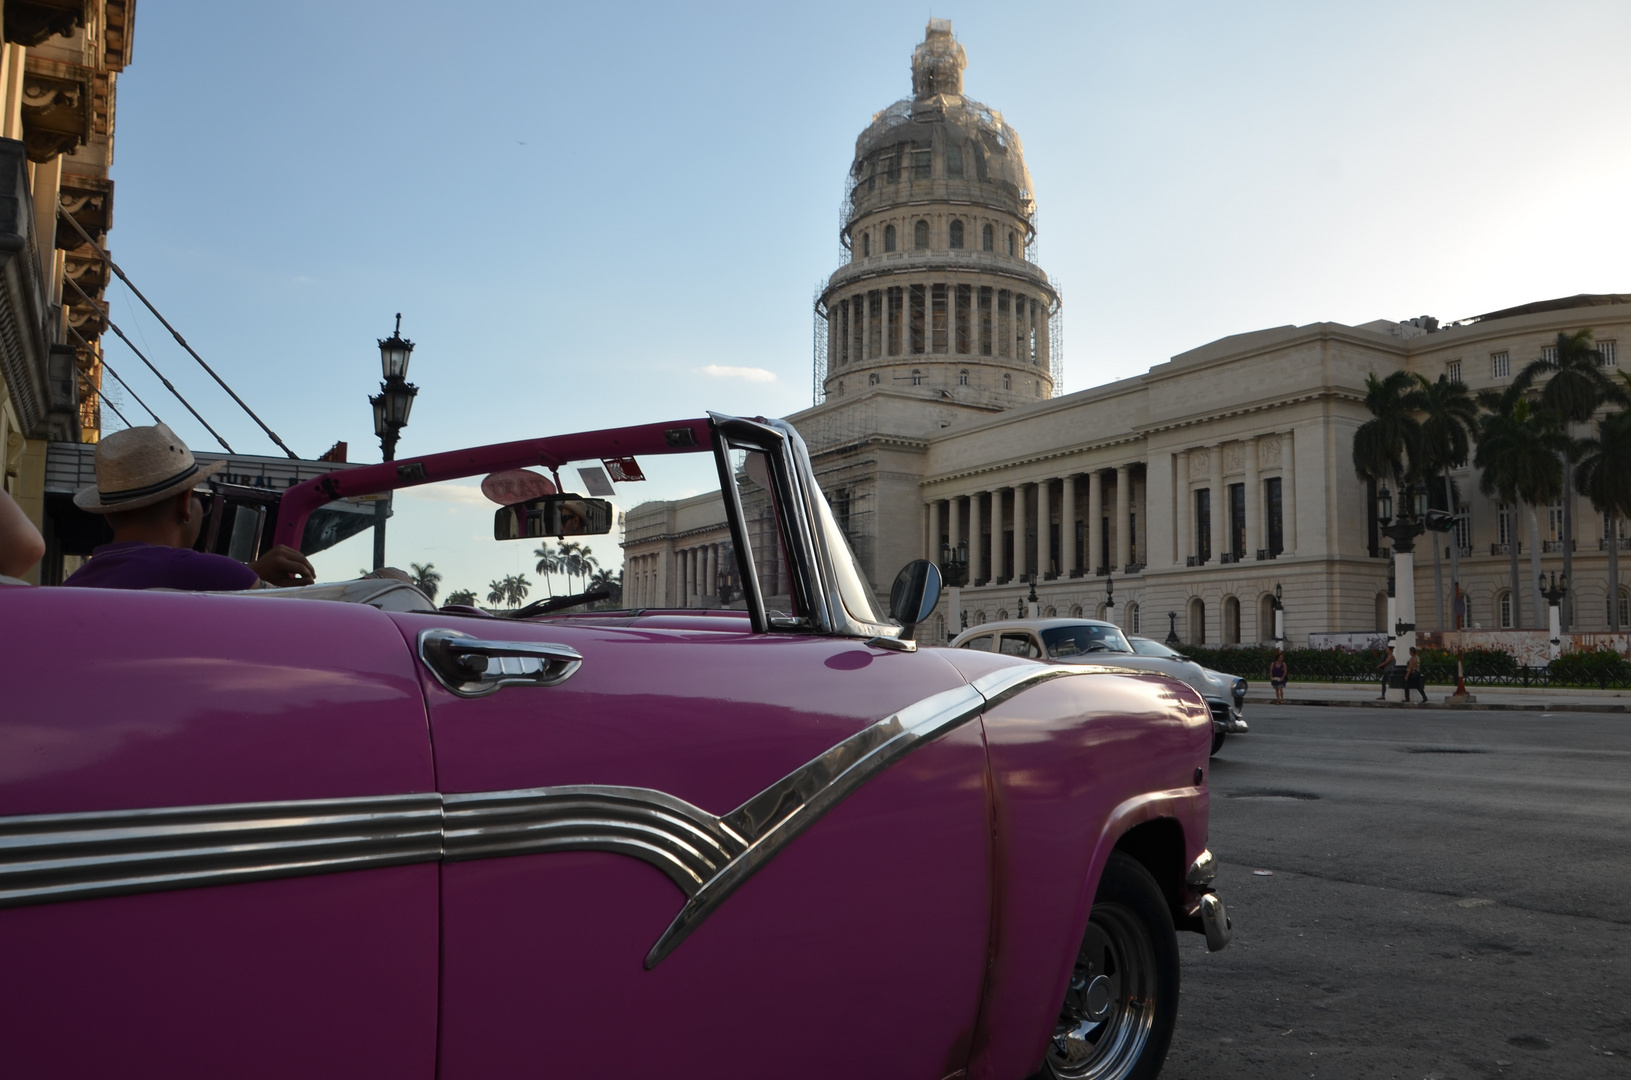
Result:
<point x="278" y="834"/>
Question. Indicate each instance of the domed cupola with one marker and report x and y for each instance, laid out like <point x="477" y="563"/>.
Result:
<point x="939" y="296"/>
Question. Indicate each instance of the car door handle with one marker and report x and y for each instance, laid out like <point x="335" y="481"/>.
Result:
<point x="472" y="667"/>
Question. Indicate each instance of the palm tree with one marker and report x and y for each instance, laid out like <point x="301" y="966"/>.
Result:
<point x="516" y="587"/>
<point x="549" y="562"/>
<point x="1518" y="451"/>
<point x="462" y="597"/>
<point x="1604" y="477"/>
<point x="498" y="591"/>
<point x="427" y="579"/>
<point x="1450" y="417"/>
<point x="1384" y="444"/>
<point x="1576" y="387"/>
<point x="612" y="583"/>
<point x="572" y="560"/>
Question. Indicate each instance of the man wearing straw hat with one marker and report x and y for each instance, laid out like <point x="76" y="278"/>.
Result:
<point x="145" y="478"/>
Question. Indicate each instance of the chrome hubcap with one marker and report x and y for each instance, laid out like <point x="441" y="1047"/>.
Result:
<point x="1108" y="1011"/>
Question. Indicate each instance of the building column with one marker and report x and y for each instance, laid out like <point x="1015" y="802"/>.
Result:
<point x="866" y="326"/>
<point x="1124" y="507"/>
<point x="1022" y="562"/>
<point x="1254" y="503"/>
<point x="1002" y="566"/>
<point x="1288" y="496"/>
<point x="1067" y="525"/>
<point x="934" y="531"/>
<point x="710" y="583"/>
<point x="974" y="551"/>
<point x="1220" y="506"/>
<point x="1044" y="529"/>
<point x="951" y="315"/>
<point x="1184" y="505"/>
<point x="1095" y="520"/>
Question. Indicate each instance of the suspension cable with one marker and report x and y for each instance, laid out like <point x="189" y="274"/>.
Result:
<point x="107" y="367"/>
<point x="167" y="384"/>
<point x="63" y="213"/>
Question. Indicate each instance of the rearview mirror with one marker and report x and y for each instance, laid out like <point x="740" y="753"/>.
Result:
<point x="914" y="595"/>
<point x="553" y="515"/>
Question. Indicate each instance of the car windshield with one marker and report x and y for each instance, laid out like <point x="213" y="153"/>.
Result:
<point x="1062" y="641"/>
<point x="1146" y="647"/>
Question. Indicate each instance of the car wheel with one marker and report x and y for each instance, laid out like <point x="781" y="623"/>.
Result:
<point x="1122" y="1003"/>
<point x="1217" y="740"/>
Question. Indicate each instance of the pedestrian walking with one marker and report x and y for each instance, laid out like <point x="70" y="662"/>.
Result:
<point x="1277" y="676"/>
<point x="1386" y="668"/>
<point x="1413" y="679"/>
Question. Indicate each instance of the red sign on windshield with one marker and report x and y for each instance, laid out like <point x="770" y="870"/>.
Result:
<point x="623" y="469"/>
<point x="516" y="485"/>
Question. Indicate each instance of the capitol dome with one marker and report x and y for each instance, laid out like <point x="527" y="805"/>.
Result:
<point x="939" y="296"/>
<point x="939" y="142"/>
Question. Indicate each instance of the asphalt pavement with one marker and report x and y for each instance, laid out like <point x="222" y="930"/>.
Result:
<point x="1430" y="893"/>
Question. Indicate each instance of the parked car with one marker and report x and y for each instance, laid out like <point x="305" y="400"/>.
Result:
<point x="337" y="831"/>
<point x="1074" y="641"/>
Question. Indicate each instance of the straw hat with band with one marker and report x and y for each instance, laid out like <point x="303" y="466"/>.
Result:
<point x="141" y="466"/>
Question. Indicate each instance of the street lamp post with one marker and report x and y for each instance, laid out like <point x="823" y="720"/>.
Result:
<point x="1172" y="628"/>
<point x="1279" y="619"/>
<point x="1414" y="519"/>
<point x="391" y="405"/>
<point x="1032" y="602"/>
<point x="1554" y="598"/>
<point x="954" y="572"/>
<point x="1109" y="599"/>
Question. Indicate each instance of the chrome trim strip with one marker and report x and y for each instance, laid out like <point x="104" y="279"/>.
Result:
<point x="50" y="857"/>
<point x="688" y="844"/>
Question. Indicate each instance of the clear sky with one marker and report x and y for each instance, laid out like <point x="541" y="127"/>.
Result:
<point x="592" y="215"/>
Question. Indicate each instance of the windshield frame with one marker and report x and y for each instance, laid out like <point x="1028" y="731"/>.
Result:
<point x="1107" y="630"/>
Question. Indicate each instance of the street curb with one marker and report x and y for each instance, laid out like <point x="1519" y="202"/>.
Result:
<point x="1338" y="703"/>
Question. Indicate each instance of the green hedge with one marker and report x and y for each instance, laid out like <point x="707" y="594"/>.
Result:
<point x="1603" y="668"/>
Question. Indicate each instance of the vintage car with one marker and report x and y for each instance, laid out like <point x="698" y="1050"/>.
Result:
<point x="1077" y="641"/>
<point x="280" y="834"/>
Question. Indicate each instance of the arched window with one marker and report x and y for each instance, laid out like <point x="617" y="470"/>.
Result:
<point x="979" y="617"/>
<point x="889" y="238"/>
<point x="1197" y="621"/>
<point x="1135" y="619"/>
<point x="872" y="379"/>
<point x="954" y="159"/>
<point x="866" y="243"/>
<point x="962" y="377"/>
<point x="1007" y="382"/>
<point x="920" y="234"/>
<point x="1625" y="610"/>
<point x="1076" y="611"/>
<point x="1050" y="612"/>
<point x="1503" y="610"/>
<point x="1002" y="614"/>
<point x="917" y="377"/>
<point x="1037" y="388"/>
<point x="1010" y="242"/>
<point x="1231" y="620"/>
<point x="1102" y="613"/>
<point x="956" y="233"/>
<point x="988" y="239"/>
<point x="1265" y="618"/>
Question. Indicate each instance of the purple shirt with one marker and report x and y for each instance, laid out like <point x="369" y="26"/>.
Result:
<point x="134" y="565"/>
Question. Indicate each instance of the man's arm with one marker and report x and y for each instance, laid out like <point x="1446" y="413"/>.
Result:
<point x="21" y="545"/>
<point x="283" y="566"/>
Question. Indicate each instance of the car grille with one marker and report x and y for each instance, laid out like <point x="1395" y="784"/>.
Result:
<point x="1220" y="712"/>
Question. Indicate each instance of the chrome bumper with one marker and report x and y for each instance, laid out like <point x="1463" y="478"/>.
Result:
<point x="1226" y="718"/>
<point x="1212" y="912"/>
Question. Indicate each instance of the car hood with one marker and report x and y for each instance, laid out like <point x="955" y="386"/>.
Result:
<point x="1206" y="682"/>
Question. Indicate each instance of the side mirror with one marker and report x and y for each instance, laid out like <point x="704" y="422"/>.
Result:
<point x="914" y="595"/>
<point x="553" y="515"/>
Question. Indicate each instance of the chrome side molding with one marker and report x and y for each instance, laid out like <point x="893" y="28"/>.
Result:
<point x="55" y="857"/>
<point x="50" y="857"/>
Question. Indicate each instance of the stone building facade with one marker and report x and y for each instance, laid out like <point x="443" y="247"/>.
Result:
<point x="59" y="67"/>
<point x="1197" y="489"/>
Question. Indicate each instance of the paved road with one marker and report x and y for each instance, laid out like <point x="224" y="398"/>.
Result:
<point x="1450" y="896"/>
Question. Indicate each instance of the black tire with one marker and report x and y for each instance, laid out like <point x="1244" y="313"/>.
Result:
<point x="1217" y="740"/>
<point x="1122" y="1004"/>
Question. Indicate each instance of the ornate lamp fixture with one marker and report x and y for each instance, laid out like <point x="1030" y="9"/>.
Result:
<point x="391" y="405"/>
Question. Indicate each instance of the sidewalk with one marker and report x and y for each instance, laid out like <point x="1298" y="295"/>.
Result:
<point x="1355" y="695"/>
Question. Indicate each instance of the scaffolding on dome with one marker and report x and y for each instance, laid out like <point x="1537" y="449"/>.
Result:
<point x="818" y="392"/>
<point x="1056" y="338"/>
